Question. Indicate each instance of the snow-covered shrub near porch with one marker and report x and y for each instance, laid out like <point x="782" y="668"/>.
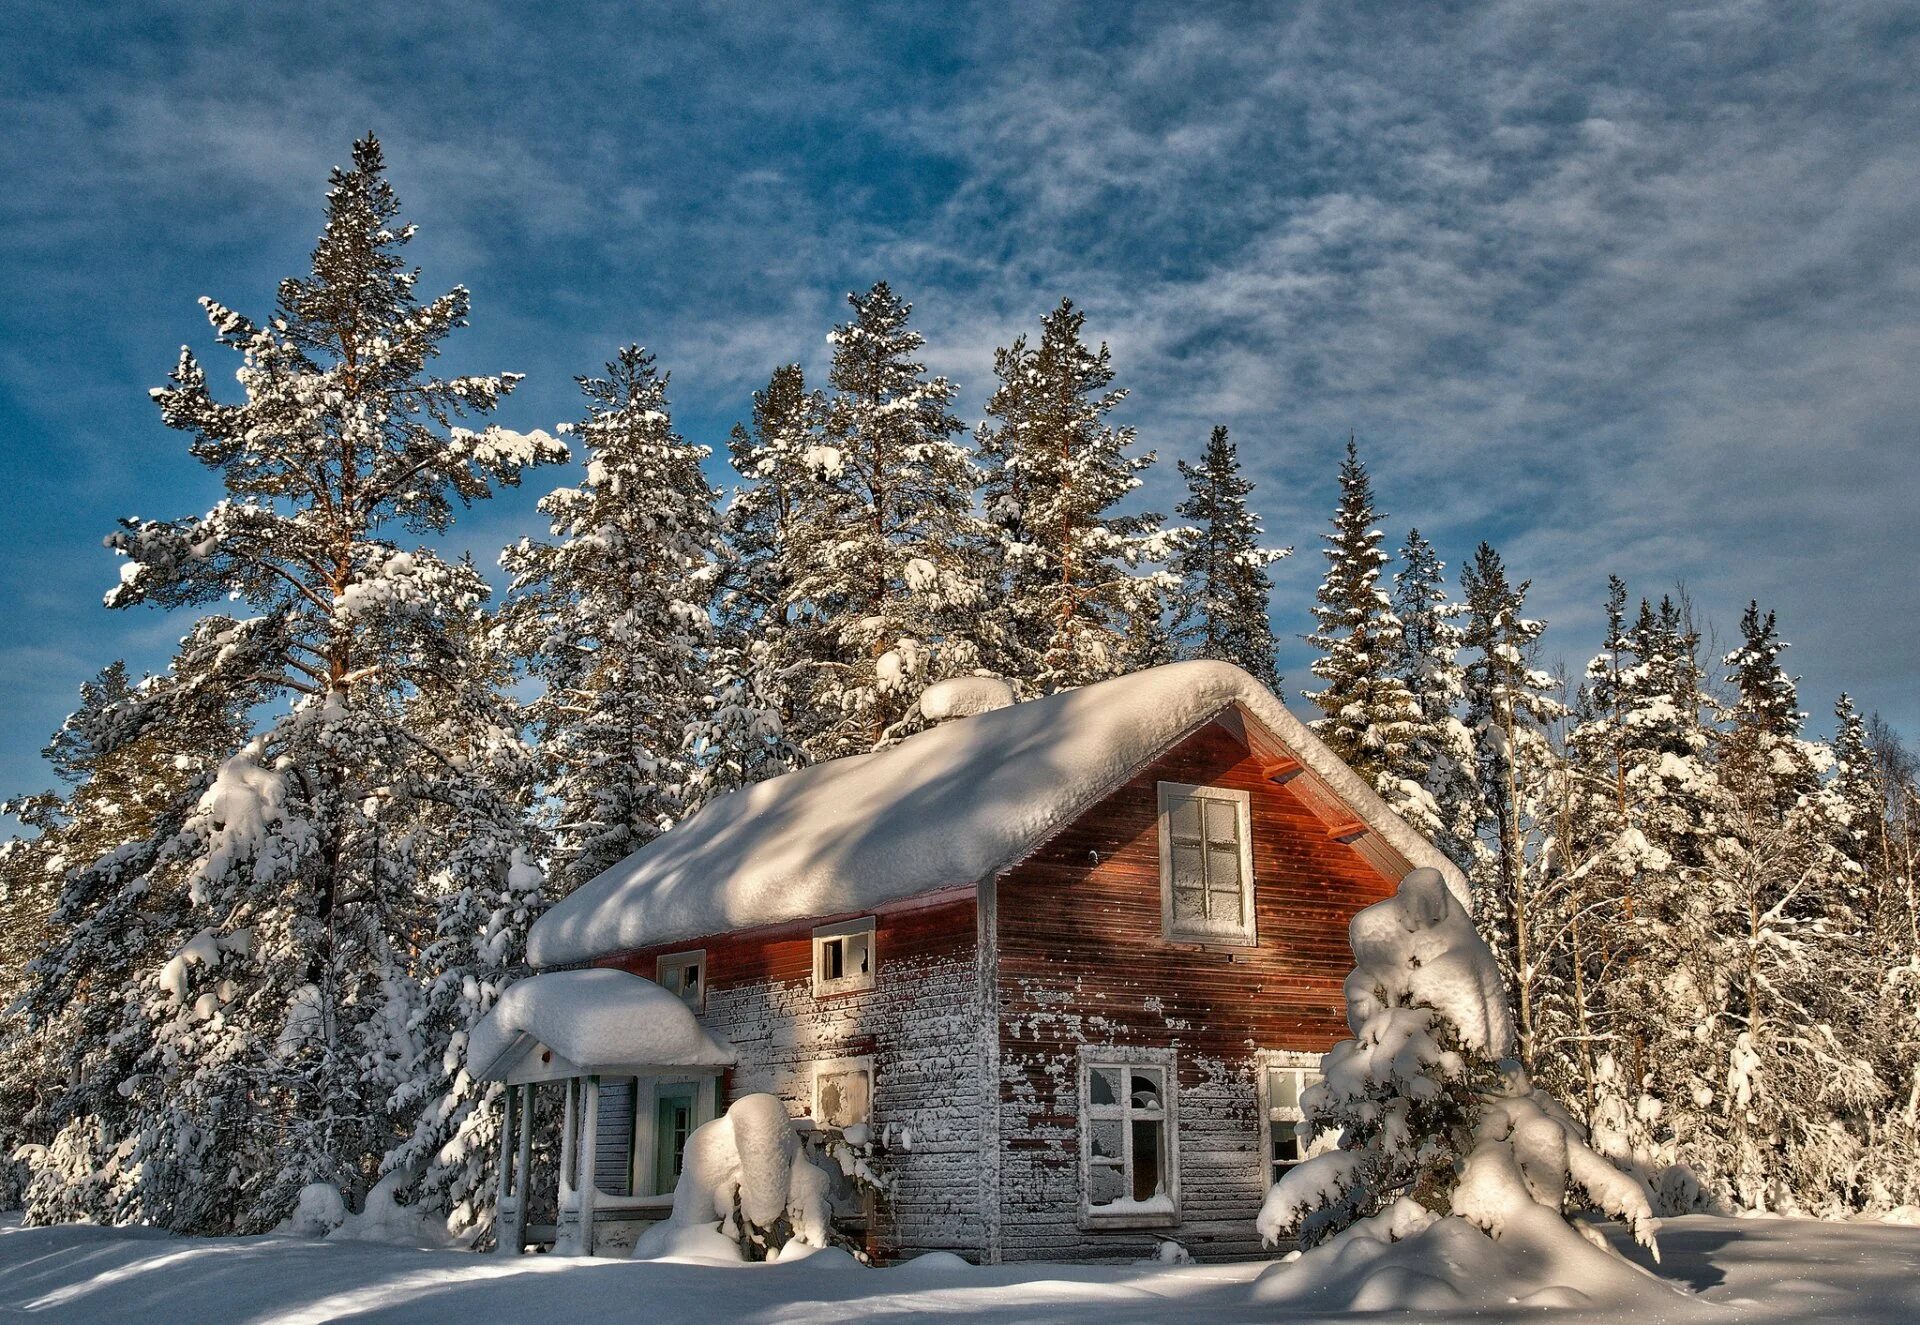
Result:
<point x="1445" y="1143"/>
<point x="747" y="1191"/>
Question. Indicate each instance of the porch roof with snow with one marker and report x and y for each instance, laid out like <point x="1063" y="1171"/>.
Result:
<point x="573" y="1023"/>
<point x="949" y="807"/>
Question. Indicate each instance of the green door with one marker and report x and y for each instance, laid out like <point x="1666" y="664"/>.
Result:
<point x="672" y="1123"/>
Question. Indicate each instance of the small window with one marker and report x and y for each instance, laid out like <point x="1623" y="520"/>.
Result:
<point x="1285" y="1077"/>
<point x="685" y="974"/>
<point x="1206" y="864"/>
<point x="843" y="957"/>
<point x="842" y="1093"/>
<point x="1128" y="1148"/>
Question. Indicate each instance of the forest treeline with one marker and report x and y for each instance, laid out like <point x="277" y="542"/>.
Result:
<point x="242" y="945"/>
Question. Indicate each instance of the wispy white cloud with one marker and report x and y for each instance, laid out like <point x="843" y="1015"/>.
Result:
<point x="1629" y="288"/>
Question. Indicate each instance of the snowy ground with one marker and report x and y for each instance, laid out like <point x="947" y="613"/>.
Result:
<point x="1762" y="1271"/>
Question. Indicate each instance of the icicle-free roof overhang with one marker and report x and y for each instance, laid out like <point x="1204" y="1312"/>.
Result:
<point x="591" y="1022"/>
<point x="949" y="807"/>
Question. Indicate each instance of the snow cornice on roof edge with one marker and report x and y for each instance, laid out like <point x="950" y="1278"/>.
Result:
<point x="945" y="808"/>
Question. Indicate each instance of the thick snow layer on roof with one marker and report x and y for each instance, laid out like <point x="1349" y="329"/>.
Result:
<point x="594" y="1018"/>
<point x="949" y="806"/>
<point x="964" y="697"/>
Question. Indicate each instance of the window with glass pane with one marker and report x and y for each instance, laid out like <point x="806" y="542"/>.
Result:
<point x="1125" y="1117"/>
<point x="843" y="957"/>
<point x="1205" y="863"/>
<point x="685" y="974"/>
<point x="1284" y="1086"/>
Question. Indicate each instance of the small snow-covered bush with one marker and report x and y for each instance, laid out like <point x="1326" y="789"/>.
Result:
<point x="747" y="1191"/>
<point x="1443" y="1138"/>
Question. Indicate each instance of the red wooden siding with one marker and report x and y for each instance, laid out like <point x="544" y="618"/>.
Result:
<point x="1082" y="959"/>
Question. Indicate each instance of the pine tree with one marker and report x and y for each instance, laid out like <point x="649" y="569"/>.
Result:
<point x="1074" y="575"/>
<point x="1440" y="755"/>
<point x="1509" y="708"/>
<point x="770" y="642"/>
<point x="1221" y="605"/>
<point x="1432" y="1113"/>
<point x="281" y="1030"/>
<point x="1797" y="1090"/>
<point x="612" y="618"/>
<point x="78" y="922"/>
<point x="1674" y="976"/>
<point x="889" y="559"/>
<point x="1368" y="718"/>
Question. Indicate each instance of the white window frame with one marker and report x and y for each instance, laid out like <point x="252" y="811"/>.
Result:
<point x="1125" y="1058"/>
<point x="852" y="981"/>
<point x="1302" y="1061"/>
<point x="1169" y="792"/>
<point x="646" y="1138"/>
<point x="827" y="1067"/>
<point x="680" y="961"/>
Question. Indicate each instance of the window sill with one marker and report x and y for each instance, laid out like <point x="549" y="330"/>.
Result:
<point x="1091" y="1223"/>
<point x="1209" y="942"/>
<point x="841" y="988"/>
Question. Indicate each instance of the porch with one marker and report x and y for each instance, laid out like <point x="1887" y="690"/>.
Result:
<point x="637" y="1074"/>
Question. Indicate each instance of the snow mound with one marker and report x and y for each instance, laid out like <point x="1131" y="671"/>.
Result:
<point x="321" y="1212"/>
<point x="317" y="1211"/>
<point x="746" y="1165"/>
<point x="964" y="697"/>
<point x="1408" y="1259"/>
<point x="946" y="807"/>
<point x="594" y="1018"/>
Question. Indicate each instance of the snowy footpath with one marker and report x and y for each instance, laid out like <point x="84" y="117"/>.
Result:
<point x="1761" y="1270"/>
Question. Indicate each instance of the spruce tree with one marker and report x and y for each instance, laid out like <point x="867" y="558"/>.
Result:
<point x="1440" y="756"/>
<point x="1221" y="605"/>
<point x="81" y="923"/>
<point x="1510" y="706"/>
<point x="281" y="1030"/>
<point x="1368" y="718"/>
<point x="1079" y="599"/>
<point x="770" y="642"/>
<point x="1798" y="1088"/>
<point x="612" y="619"/>
<point x="888" y="558"/>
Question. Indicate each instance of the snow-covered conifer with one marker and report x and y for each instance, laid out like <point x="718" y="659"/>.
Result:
<point x="1510" y="705"/>
<point x="1221" y="604"/>
<point x="889" y="557"/>
<point x="1436" y="1121"/>
<point x="770" y="641"/>
<point x="1441" y="758"/>
<point x="280" y="1029"/>
<point x="612" y="619"/>
<point x="1368" y="718"/>
<point x="1074" y="573"/>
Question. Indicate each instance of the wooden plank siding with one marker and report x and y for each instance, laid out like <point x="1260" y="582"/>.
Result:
<point x="922" y="1023"/>
<point x="1082" y="959"/>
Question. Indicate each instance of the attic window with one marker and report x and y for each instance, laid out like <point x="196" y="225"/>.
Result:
<point x="843" y="957"/>
<point x="685" y="974"/>
<point x="1206" y="864"/>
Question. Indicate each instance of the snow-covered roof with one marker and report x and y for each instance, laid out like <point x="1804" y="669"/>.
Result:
<point x="592" y="1019"/>
<point x="946" y="807"/>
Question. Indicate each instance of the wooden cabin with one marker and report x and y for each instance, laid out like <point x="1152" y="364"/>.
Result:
<point x="1071" y="960"/>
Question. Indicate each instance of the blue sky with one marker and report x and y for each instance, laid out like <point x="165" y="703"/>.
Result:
<point x="1624" y="288"/>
